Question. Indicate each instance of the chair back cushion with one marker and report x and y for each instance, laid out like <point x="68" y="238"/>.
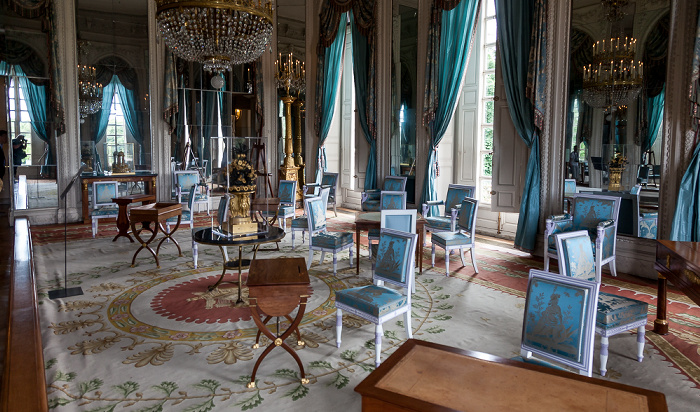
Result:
<point x="576" y="255"/>
<point x="589" y="210"/>
<point x="559" y="318"/>
<point x="325" y="193"/>
<point x="394" y="183"/>
<point x="103" y="192"/>
<point x="402" y="220"/>
<point x="316" y="214"/>
<point x="222" y="213"/>
<point x="191" y="198"/>
<point x="185" y="179"/>
<point x="569" y="186"/>
<point x="392" y="200"/>
<point x="455" y="194"/>
<point x="467" y="214"/>
<point x="635" y="190"/>
<point x="395" y="256"/>
<point x="330" y="179"/>
<point x="287" y="192"/>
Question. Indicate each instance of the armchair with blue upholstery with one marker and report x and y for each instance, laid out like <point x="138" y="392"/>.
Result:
<point x="329" y="180"/>
<point x="614" y="314"/>
<point x="570" y="191"/>
<point x="371" y="199"/>
<point x="559" y="320"/>
<point x="184" y="179"/>
<point x="594" y="213"/>
<point x="462" y="238"/>
<point x="447" y="222"/>
<point x="396" y="219"/>
<point x="187" y="214"/>
<point x="301" y="223"/>
<point x="322" y="240"/>
<point x="287" y="194"/>
<point x="378" y="303"/>
<point x="645" y="222"/>
<point x="102" y="205"/>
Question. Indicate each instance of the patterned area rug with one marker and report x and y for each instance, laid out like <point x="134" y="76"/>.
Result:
<point x="149" y="339"/>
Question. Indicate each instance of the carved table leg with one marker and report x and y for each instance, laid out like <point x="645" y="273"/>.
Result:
<point x="661" y="322"/>
<point x="168" y="235"/>
<point x="144" y="245"/>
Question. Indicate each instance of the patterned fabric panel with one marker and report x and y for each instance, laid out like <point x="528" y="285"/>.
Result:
<point x="553" y="243"/>
<point x="555" y="316"/>
<point x="455" y="197"/>
<point x="451" y="239"/>
<point x="317" y="214"/>
<point x="439" y="222"/>
<point x="589" y="212"/>
<point x="286" y="210"/>
<point x="198" y="197"/>
<point x="403" y="223"/>
<point x="374" y="300"/>
<point x="287" y="192"/>
<point x="392" y="257"/>
<point x="649" y="215"/>
<point x="105" y="192"/>
<point x="614" y="311"/>
<point x="300" y="222"/>
<point x="569" y="186"/>
<point x="393" y="185"/>
<point x="329" y="180"/>
<point x="635" y="190"/>
<point x="608" y="242"/>
<point x="186" y="217"/>
<point x="466" y="216"/>
<point x="374" y="233"/>
<point x="578" y="257"/>
<point x="647" y="228"/>
<point x="392" y="202"/>
<point x="332" y="240"/>
<point x="105" y="211"/>
<point x="186" y="180"/>
<point x="371" y="205"/>
<point x="373" y="194"/>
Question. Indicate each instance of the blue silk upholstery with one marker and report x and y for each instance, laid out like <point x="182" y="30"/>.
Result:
<point x="320" y="238"/>
<point x="332" y="240"/>
<point x="555" y="319"/>
<point x="451" y="239"/>
<point x="453" y="201"/>
<point x="393" y="257"/>
<point x="286" y="210"/>
<point x="104" y="192"/>
<point x="375" y="300"/>
<point x="578" y="257"/>
<point x="286" y="192"/>
<point x="439" y="222"/>
<point x="371" y="205"/>
<point x="393" y="201"/>
<point x="394" y="185"/>
<point x="647" y="225"/>
<point x="455" y="195"/>
<point x="105" y="211"/>
<point x="103" y="207"/>
<point x="300" y="222"/>
<point x="462" y="238"/>
<point x="589" y="212"/>
<point x="317" y="216"/>
<point x="186" y="217"/>
<point x="186" y="180"/>
<point x="371" y="198"/>
<point x="615" y="311"/>
<point x="569" y="186"/>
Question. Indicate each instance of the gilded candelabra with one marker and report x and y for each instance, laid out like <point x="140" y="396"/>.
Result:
<point x="288" y="71"/>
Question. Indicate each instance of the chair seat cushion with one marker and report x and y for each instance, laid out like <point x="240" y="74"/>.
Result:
<point x="286" y="211"/>
<point x="451" y="239"/>
<point x="614" y="311"/>
<point x="332" y="240"/>
<point x="185" y="217"/>
<point x="300" y="222"/>
<point x="439" y="222"/>
<point x="650" y="215"/>
<point x="371" y="205"/>
<point x="105" y="212"/>
<point x="374" y="233"/>
<point x="198" y="197"/>
<point x="374" y="300"/>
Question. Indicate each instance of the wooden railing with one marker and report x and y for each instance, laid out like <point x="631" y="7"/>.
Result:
<point x="24" y="381"/>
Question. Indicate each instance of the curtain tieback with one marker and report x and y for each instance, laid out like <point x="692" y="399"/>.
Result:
<point x="437" y="163"/>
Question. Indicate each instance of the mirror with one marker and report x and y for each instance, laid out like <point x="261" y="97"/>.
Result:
<point x="113" y="83"/>
<point x="403" y="93"/>
<point x="290" y="71"/>
<point x="25" y="113"/>
<point x="615" y="106"/>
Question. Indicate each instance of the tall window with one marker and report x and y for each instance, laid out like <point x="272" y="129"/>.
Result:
<point x="20" y="123"/>
<point x="116" y="132"/>
<point x="487" y="91"/>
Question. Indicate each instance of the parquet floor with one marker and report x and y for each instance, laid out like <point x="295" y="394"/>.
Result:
<point x="7" y="237"/>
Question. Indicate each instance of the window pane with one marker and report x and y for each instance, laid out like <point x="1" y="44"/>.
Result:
<point x="490" y="31"/>
<point x="485" y="191"/>
<point x="488" y="138"/>
<point x="12" y="105"/>
<point x="22" y="105"/>
<point x="120" y="132"/>
<point x="25" y="129"/>
<point x="111" y="129"/>
<point x="490" y="56"/>
<point x="490" y="8"/>
<point x="490" y="82"/>
<point x="487" y="161"/>
<point x="488" y="112"/>
<point x="24" y="116"/>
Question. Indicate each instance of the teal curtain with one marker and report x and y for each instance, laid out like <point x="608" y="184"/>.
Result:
<point x="132" y="114"/>
<point x="515" y="24"/>
<point x="655" y="114"/>
<point x="686" y="220"/>
<point x="363" y="70"/>
<point x="449" y="36"/>
<point x="37" y="106"/>
<point x="328" y="84"/>
<point x="100" y="128"/>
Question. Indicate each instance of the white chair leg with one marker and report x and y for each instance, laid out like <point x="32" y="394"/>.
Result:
<point x="293" y="231"/>
<point x="604" y="343"/>
<point x="311" y="257"/>
<point x="425" y="232"/>
<point x="335" y="261"/>
<point x="476" y="270"/>
<point x="407" y="323"/>
<point x="323" y="256"/>
<point x="351" y="260"/>
<point x="94" y="228"/>
<point x="546" y="262"/>
<point x="338" y="326"/>
<point x="195" y="253"/>
<point x="369" y="243"/>
<point x="432" y="256"/>
<point x="640" y="343"/>
<point x="613" y="270"/>
<point x="378" y="332"/>
<point x="461" y="256"/>
<point x="447" y="263"/>
<point x="335" y="211"/>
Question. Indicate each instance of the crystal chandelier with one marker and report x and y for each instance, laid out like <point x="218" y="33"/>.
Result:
<point x="216" y="33"/>
<point x="613" y="78"/>
<point x="290" y="73"/>
<point x="613" y="9"/>
<point x="89" y="91"/>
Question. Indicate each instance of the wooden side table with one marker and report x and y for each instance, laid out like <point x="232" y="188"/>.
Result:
<point x="157" y="213"/>
<point x="276" y="287"/>
<point x="123" y="218"/>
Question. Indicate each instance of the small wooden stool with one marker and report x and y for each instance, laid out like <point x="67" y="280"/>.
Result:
<point x="157" y="213"/>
